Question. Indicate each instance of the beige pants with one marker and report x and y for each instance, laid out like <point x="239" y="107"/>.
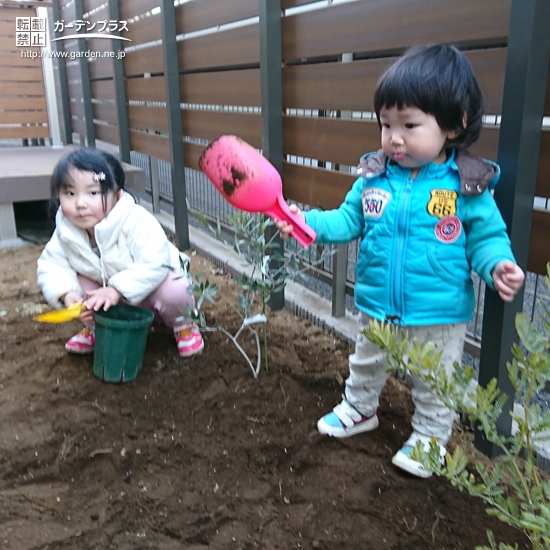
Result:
<point x="368" y="376"/>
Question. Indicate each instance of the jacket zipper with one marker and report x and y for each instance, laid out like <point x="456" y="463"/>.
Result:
<point x="102" y="267"/>
<point x="402" y="225"/>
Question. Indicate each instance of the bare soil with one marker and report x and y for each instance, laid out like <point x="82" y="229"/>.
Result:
<point x="197" y="454"/>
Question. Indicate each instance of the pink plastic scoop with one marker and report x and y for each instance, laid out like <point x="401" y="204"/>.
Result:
<point x="248" y="181"/>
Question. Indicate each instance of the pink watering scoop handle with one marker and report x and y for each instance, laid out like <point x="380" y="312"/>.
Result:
<point x="300" y="229"/>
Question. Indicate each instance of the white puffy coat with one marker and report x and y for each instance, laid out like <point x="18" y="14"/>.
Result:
<point x="135" y="254"/>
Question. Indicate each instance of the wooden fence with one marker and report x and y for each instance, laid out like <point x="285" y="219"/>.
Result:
<point x="23" y="112"/>
<point x="220" y="88"/>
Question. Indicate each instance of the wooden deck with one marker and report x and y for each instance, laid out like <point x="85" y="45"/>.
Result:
<point x="25" y="174"/>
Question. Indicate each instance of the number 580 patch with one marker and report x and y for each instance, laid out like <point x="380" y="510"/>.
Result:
<point x="442" y="203"/>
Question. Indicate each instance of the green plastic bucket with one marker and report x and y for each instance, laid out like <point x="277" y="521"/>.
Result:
<point x="120" y="338"/>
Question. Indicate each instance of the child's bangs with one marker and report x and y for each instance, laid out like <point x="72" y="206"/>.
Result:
<point x="396" y="90"/>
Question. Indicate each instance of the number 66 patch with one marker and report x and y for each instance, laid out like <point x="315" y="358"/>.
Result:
<point x="442" y="203"/>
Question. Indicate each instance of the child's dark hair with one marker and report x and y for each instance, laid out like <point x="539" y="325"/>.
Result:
<point x="438" y="80"/>
<point x="91" y="160"/>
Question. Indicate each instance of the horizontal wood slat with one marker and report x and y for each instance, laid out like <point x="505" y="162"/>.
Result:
<point x="240" y="87"/>
<point x="99" y="15"/>
<point x="23" y="117"/>
<point x="192" y="153"/>
<point x="235" y="47"/>
<point x="8" y="59"/>
<point x="147" y="29"/>
<point x="22" y="103"/>
<point x="19" y="90"/>
<point x="147" y="60"/>
<point x="23" y="74"/>
<point x="146" y="89"/>
<point x="195" y="16"/>
<point x="153" y="145"/>
<point x="212" y="124"/>
<point x="328" y="139"/>
<point x="339" y="86"/>
<point x="315" y="186"/>
<point x="103" y="89"/>
<point x="76" y="108"/>
<point x="101" y="68"/>
<point x="392" y="25"/>
<point x="79" y="126"/>
<point x="350" y="86"/>
<point x="9" y="44"/>
<point x="75" y="90"/>
<point x="99" y="44"/>
<point x="9" y="14"/>
<point x="73" y="70"/>
<point x="95" y="21"/>
<point x="107" y="133"/>
<point x="89" y="5"/>
<point x="106" y="112"/>
<point x="148" y="118"/>
<point x="130" y="8"/>
<point x="7" y="28"/>
<point x="539" y="244"/>
<point x="24" y="132"/>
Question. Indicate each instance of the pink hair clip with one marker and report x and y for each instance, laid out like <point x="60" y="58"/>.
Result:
<point x="99" y="177"/>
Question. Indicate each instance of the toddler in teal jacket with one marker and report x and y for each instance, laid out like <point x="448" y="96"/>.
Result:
<point x="426" y="218"/>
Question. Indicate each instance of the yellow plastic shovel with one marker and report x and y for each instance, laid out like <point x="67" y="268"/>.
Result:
<point x="61" y="315"/>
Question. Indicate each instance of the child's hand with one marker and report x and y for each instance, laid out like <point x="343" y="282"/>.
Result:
<point x="507" y="278"/>
<point x="103" y="297"/>
<point x="73" y="297"/>
<point x="285" y="229"/>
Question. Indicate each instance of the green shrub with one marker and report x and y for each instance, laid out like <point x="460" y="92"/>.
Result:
<point x="512" y="488"/>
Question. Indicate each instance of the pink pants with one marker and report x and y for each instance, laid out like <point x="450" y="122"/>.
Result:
<point x="169" y="301"/>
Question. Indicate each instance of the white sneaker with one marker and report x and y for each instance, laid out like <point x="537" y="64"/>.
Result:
<point x="402" y="459"/>
<point x="345" y="420"/>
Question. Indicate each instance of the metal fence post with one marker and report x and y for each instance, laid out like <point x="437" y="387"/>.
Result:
<point x="518" y="151"/>
<point x="120" y="90"/>
<point x="155" y="188"/>
<point x="171" y="76"/>
<point x="339" y="280"/>
<point x="271" y="80"/>
<point x="66" y="127"/>
<point x="85" y="78"/>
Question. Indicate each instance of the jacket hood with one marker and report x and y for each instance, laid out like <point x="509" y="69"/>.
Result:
<point x="476" y="174"/>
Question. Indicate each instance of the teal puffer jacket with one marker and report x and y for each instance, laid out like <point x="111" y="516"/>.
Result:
<point x="421" y="238"/>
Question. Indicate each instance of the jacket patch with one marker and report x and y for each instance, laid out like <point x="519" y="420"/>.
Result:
<point x="442" y="203"/>
<point x="448" y="229"/>
<point x="375" y="201"/>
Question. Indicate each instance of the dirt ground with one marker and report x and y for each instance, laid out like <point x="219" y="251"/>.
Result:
<point x="196" y="454"/>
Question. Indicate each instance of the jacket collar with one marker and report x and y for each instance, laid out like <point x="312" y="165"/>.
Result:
<point x="107" y="231"/>
<point x="475" y="174"/>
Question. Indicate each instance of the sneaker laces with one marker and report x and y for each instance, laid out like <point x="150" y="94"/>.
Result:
<point x="348" y="415"/>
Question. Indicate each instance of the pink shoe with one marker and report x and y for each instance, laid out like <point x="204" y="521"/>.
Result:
<point x="189" y="340"/>
<point x="82" y="343"/>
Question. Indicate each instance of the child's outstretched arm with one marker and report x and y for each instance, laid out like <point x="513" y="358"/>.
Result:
<point x="508" y="278"/>
<point x="285" y="228"/>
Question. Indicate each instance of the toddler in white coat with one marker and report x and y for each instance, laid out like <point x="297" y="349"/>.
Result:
<point x="107" y="249"/>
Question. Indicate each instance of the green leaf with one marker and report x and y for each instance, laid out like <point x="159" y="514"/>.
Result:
<point x="531" y="338"/>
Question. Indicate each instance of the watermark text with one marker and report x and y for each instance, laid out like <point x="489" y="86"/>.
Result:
<point x="48" y="54"/>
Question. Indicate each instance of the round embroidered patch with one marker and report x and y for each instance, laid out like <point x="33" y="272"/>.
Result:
<point x="448" y="229"/>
